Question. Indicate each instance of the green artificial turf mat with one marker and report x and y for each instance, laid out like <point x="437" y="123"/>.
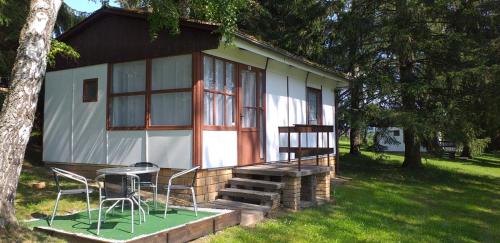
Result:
<point x="118" y="226"/>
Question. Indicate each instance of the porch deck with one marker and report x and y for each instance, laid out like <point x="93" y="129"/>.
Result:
<point x="282" y="169"/>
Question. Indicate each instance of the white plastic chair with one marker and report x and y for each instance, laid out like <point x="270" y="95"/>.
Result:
<point x="58" y="173"/>
<point x="171" y="186"/>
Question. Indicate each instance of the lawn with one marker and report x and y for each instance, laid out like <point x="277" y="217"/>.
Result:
<point x="449" y="200"/>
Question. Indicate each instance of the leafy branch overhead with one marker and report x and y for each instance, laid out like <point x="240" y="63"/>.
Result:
<point x="165" y="14"/>
<point x="62" y="49"/>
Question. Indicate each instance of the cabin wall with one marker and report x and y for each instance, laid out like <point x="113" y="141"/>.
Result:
<point x="396" y="147"/>
<point x="278" y="113"/>
<point x="75" y="132"/>
<point x="277" y="103"/>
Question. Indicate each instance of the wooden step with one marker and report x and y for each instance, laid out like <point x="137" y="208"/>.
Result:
<point x="249" y="194"/>
<point x="229" y="204"/>
<point x="271" y="185"/>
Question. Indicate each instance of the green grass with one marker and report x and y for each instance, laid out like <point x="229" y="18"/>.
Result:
<point x="449" y="200"/>
<point x="35" y="203"/>
<point x="117" y="225"/>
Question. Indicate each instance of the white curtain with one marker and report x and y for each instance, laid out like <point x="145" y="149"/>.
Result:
<point x="209" y="112"/>
<point x="219" y="75"/>
<point x="129" y="77"/>
<point x="208" y="72"/>
<point x="230" y="78"/>
<point x="171" y="109"/>
<point x="312" y="102"/>
<point x="230" y="111"/>
<point x="219" y="107"/>
<point x="128" y="111"/>
<point x="172" y="72"/>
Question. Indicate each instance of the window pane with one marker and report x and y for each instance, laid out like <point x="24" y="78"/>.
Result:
<point x="248" y="83"/>
<point x="312" y="98"/>
<point x="128" y="111"/>
<point x="230" y="111"/>
<point x="171" y="109"/>
<point x="209" y="111"/>
<point x="89" y="90"/>
<point x="129" y="76"/>
<point x="219" y="75"/>
<point x="219" y="107"/>
<point x="208" y="72"/>
<point x="230" y="77"/>
<point x="171" y="72"/>
<point x="249" y="118"/>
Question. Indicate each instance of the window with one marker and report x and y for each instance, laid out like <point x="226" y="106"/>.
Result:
<point x="314" y="106"/>
<point x="219" y="92"/>
<point x="171" y="84"/>
<point x="151" y="94"/>
<point x="128" y="95"/>
<point x="396" y="133"/>
<point x="90" y="90"/>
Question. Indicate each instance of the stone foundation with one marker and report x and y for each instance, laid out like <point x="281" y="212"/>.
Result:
<point x="307" y="189"/>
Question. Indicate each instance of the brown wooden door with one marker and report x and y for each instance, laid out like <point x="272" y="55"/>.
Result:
<point x="251" y="147"/>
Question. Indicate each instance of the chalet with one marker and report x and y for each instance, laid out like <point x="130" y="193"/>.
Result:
<point x="243" y="112"/>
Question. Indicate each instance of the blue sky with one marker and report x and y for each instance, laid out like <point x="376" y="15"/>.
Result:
<point x="87" y="5"/>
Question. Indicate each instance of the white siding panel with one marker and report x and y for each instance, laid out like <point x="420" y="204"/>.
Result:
<point x="170" y="149"/>
<point x="219" y="149"/>
<point x="89" y="118"/>
<point x="57" y="116"/>
<point x="126" y="147"/>
<point x="276" y="112"/>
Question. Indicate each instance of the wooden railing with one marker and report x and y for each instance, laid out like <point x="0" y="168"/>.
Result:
<point x="304" y="151"/>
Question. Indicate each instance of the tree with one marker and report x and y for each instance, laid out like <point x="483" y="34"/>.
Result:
<point x="352" y="47"/>
<point x="17" y="115"/>
<point x="300" y="27"/>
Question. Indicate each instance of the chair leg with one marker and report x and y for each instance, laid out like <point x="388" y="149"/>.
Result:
<point x="132" y="214"/>
<point x="55" y="208"/>
<point x="99" y="217"/>
<point x="123" y="202"/>
<point x="88" y="207"/>
<point x="166" y="203"/>
<point x="155" y="196"/>
<point x="195" y="206"/>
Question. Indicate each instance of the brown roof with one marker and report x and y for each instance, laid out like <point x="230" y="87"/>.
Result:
<point x="105" y="10"/>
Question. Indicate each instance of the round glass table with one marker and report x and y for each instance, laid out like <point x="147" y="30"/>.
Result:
<point x="128" y="170"/>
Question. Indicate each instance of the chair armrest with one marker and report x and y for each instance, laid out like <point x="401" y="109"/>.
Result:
<point x="70" y="175"/>
<point x="178" y="174"/>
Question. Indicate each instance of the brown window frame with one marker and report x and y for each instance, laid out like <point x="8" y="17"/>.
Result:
<point x="85" y="96"/>
<point x="226" y="94"/>
<point x="319" y="105"/>
<point x="148" y="92"/>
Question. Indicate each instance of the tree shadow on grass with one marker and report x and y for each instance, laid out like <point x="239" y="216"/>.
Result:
<point x="385" y="202"/>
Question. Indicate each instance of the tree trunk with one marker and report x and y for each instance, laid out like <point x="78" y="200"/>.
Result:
<point x="413" y="158"/>
<point x="18" y="111"/>
<point x="355" y="141"/>
<point x="466" y="151"/>
<point x="355" y="134"/>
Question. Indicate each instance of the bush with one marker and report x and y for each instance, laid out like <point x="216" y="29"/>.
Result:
<point x="478" y="146"/>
